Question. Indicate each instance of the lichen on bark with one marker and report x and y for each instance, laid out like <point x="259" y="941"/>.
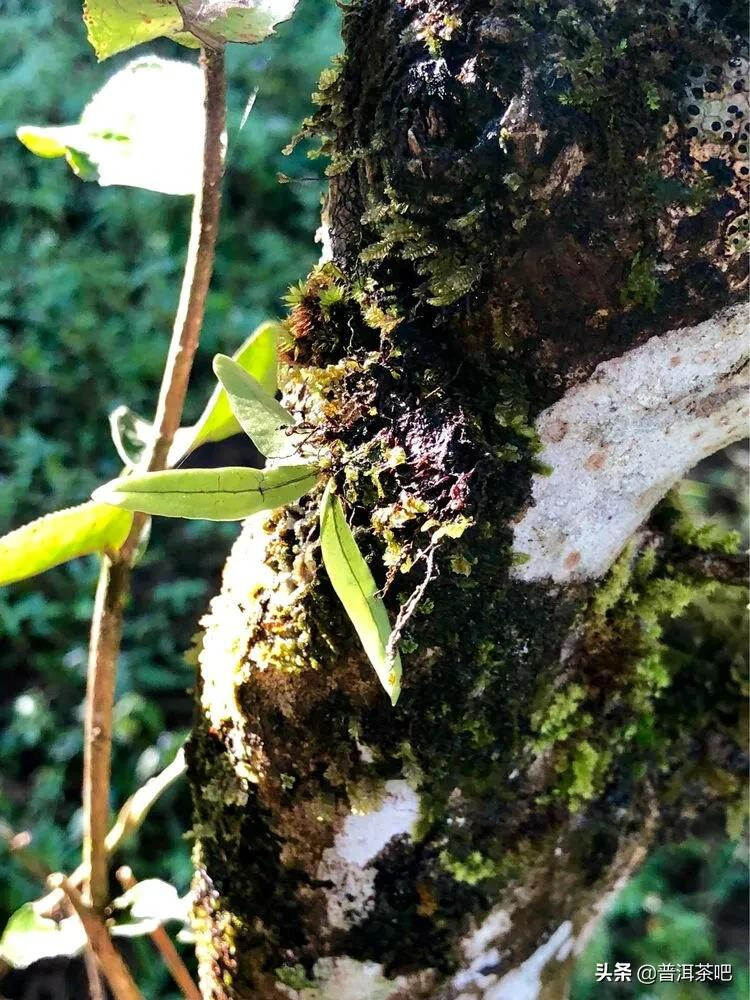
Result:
<point x="516" y="195"/>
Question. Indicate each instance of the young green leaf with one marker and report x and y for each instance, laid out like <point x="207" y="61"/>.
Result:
<point x="116" y="25"/>
<point x="144" y="128"/>
<point x="258" y="413"/>
<point x="257" y="356"/>
<point x="29" y="937"/>
<point x="58" y="537"/>
<point x="210" y="494"/>
<point x="355" y="587"/>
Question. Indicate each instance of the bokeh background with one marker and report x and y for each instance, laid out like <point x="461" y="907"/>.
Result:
<point x="88" y="284"/>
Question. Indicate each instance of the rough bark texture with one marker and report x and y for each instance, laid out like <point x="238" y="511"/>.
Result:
<point x="520" y="192"/>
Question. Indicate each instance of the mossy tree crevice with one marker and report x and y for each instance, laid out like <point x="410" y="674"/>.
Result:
<point x="517" y="194"/>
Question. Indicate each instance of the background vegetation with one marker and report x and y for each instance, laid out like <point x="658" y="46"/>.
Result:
<point x="88" y="287"/>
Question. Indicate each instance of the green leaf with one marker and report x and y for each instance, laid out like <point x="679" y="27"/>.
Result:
<point x="355" y="587"/>
<point x="58" y="537"/>
<point x="144" y="128"/>
<point x="257" y="356"/>
<point x="29" y="937"/>
<point x="116" y="25"/>
<point x="257" y="412"/>
<point x="235" y="20"/>
<point x="212" y="494"/>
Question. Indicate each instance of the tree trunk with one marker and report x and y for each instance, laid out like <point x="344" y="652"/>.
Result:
<point x="526" y="331"/>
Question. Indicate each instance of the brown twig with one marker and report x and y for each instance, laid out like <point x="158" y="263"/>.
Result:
<point x="114" y="579"/>
<point x="166" y="949"/>
<point x="115" y="971"/>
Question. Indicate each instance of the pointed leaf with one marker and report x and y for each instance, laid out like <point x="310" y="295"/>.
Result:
<point x="257" y="356"/>
<point x="58" y="537"/>
<point x="258" y="413"/>
<point x="144" y="128"/>
<point x="355" y="587"/>
<point x="212" y="494"/>
<point x="29" y="937"/>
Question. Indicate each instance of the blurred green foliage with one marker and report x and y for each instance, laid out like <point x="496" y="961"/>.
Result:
<point x="88" y="287"/>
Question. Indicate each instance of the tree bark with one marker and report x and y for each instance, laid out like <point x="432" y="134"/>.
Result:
<point x="534" y="233"/>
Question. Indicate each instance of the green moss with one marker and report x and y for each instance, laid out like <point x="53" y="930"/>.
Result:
<point x="472" y="869"/>
<point x="295" y="977"/>
<point x="641" y="286"/>
<point x="558" y="720"/>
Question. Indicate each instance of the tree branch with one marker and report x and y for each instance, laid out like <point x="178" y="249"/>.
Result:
<point x="163" y="944"/>
<point x="115" y="971"/>
<point x="114" y="579"/>
<point x="619" y="441"/>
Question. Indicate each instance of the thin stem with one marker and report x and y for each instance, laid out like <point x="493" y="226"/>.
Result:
<point x="199" y="265"/>
<point x="163" y="944"/>
<point x="110" y="961"/>
<point x="114" y="579"/>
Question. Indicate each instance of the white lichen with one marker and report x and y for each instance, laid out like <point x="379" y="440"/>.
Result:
<point x="619" y="441"/>
<point x="348" y="863"/>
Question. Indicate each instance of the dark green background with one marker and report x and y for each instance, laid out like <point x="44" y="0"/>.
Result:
<point x="88" y="284"/>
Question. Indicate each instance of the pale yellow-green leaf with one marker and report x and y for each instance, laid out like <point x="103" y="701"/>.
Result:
<point x="256" y="356"/>
<point x="257" y="412"/>
<point x="59" y="537"/>
<point x="144" y="128"/>
<point x="29" y="937"/>
<point x="355" y="587"/>
<point x="210" y="494"/>
<point x="116" y="25"/>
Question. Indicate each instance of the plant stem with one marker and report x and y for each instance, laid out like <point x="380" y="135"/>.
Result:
<point x="163" y="944"/>
<point x="114" y="578"/>
<point x="115" y="971"/>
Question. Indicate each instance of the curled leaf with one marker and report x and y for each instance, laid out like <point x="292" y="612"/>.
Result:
<point x="144" y="128"/>
<point x="355" y="587"/>
<point x="59" y="537"/>
<point x="211" y="494"/>
<point x="257" y="412"/>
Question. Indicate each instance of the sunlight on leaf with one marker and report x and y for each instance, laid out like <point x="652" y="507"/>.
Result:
<point x="257" y="412"/>
<point x="144" y="128"/>
<point x="355" y="587"/>
<point x="59" y="537"/>
<point x="235" y="20"/>
<point x="150" y="903"/>
<point x="256" y="356"/>
<point x="211" y="494"/>
<point x="29" y="937"/>
<point x="116" y="25"/>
